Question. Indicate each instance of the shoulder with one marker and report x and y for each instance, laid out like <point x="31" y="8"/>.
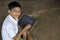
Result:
<point x="7" y="22"/>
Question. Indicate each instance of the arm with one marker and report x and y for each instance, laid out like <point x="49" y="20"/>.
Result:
<point x="20" y="33"/>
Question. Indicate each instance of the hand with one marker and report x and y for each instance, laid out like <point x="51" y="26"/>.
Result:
<point x="17" y="37"/>
<point x="28" y="26"/>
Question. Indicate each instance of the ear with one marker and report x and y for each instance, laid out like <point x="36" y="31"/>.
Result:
<point x="8" y="11"/>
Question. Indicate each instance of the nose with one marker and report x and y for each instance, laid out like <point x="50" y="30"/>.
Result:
<point x="17" y="12"/>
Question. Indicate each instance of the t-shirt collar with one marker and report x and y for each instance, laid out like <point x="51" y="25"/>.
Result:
<point x="12" y="19"/>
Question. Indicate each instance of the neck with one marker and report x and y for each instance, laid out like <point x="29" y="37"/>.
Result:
<point x="14" y="17"/>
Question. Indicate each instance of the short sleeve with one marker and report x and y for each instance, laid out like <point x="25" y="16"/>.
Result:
<point x="10" y="30"/>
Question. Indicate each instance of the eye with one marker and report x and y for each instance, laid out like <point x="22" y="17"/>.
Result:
<point x="19" y="11"/>
<point x="14" y="11"/>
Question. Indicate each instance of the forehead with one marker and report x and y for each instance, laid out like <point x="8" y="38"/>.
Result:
<point x="16" y="8"/>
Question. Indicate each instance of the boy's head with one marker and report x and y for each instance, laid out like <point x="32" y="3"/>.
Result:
<point x="14" y="9"/>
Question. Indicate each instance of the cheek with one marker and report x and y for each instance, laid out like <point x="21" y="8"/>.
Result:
<point x="16" y="14"/>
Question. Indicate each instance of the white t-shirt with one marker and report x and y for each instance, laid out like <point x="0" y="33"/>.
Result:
<point x="9" y="28"/>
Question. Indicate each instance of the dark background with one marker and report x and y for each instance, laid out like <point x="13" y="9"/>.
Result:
<point x="47" y="13"/>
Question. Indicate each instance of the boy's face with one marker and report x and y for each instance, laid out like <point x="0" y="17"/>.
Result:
<point x="15" y="12"/>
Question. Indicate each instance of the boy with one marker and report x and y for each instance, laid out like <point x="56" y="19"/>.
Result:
<point x="10" y="24"/>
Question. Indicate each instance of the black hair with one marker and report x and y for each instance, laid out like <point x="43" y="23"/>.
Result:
<point x="13" y="5"/>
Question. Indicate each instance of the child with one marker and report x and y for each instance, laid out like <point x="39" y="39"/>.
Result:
<point x="10" y="24"/>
